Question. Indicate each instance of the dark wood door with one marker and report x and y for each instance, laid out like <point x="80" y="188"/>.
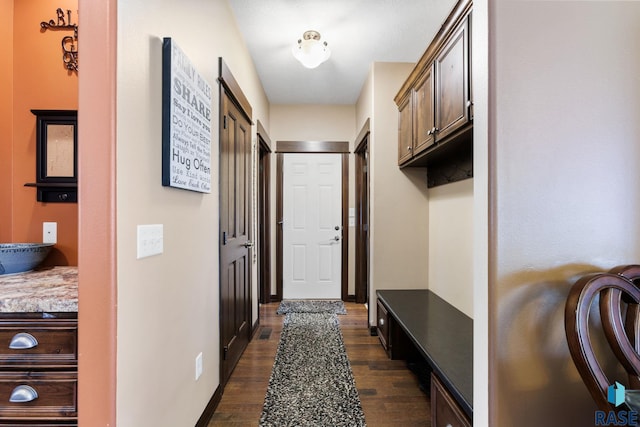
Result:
<point x="424" y="114"/>
<point x="235" y="226"/>
<point x="452" y="84"/>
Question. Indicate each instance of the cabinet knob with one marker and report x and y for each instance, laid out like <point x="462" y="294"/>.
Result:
<point x="23" y="341"/>
<point x="23" y="394"/>
<point x="409" y="148"/>
<point x="63" y="196"/>
<point x="381" y="321"/>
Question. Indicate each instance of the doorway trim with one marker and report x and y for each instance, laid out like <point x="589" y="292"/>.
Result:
<point x="311" y="147"/>
<point x="264" y="215"/>
<point x="362" y="211"/>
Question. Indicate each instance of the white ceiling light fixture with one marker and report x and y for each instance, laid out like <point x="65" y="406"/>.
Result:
<point x="310" y="51"/>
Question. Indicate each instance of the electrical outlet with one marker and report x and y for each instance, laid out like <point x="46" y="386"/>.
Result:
<point x="198" y="365"/>
<point x="49" y="232"/>
<point x="150" y="240"/>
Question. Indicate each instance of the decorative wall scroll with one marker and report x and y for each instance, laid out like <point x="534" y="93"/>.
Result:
<point x="186" y="122"/>
<point x="69" y="43"/>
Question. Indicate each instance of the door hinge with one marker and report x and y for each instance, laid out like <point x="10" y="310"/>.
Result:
<point x="224" y="237"/>
<point x="225" y="353"/>
<point x="224" y="122"/>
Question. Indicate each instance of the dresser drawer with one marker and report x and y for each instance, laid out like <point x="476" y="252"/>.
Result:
<point x="56" y="395"/>
<point x="383" y="325"/>
<point x="445" y="412"/>
<point x="36" y="342"/>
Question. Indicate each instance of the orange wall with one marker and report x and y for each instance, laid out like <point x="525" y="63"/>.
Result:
<point x="97" y="283"/>
<point x="40" y="81"/>
<point x="6" y="122"/>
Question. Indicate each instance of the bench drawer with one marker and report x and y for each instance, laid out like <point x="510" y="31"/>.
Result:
<point x="445" y="412"/>
<point x="382" y="325"/>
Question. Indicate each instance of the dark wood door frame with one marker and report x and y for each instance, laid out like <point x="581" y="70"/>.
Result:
<point x="264" y="214"/>
<point x="235" y="320"/>
<point x="362" y="215"/>
<point x="310" y="147"/>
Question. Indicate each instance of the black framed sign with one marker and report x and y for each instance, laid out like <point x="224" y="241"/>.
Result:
<point x="186" y="122"/>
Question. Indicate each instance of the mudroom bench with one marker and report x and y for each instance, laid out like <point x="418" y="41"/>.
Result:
<point x="418" y="324"/>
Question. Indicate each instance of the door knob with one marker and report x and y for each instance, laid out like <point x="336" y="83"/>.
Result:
<point x="337" y="238"/>
<point x="248" y="244"/>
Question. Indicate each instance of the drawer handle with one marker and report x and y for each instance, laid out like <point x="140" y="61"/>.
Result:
<point x="23" y="394"/>
<point x="23" y="341"/>
<point x="381" y="321"/>
<point x="449" y="425"/>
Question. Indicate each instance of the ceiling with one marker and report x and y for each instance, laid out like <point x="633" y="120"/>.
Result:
<point x="358" y="32"/>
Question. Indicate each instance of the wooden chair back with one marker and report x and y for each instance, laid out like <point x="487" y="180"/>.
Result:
<point x="619" y="313"/>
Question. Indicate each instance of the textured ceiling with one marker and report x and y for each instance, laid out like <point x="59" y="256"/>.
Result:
<point x="358" y="32"/>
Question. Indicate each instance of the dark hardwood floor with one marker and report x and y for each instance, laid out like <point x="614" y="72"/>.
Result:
<point x="389" y="392"/>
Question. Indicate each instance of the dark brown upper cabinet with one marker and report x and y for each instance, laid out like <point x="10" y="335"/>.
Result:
<point x="405" y="145"/>
<point x="424" y="110"/>
<point x="435" y="121"/>
<point x="452" y="84"/>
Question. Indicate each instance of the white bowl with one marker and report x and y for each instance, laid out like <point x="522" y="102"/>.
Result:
<point x="21" y="257"/>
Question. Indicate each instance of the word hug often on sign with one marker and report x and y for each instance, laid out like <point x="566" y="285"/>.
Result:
<point x="186" y="122"/>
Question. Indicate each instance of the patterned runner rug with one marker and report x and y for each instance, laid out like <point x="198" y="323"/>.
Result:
<point x="311" y="306"/>
<point x="311" y="382"/>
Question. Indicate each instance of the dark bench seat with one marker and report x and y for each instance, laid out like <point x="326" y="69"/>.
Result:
<point x="442" y="334"/>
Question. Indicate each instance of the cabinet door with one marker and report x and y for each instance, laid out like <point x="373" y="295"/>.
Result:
<point x="423" y="112"/>
<point x="452" y="83"/>
<point x="405" y="131"/>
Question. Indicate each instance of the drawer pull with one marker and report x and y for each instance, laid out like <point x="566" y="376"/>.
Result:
<point x="23" y="341"/>
<point x="449" y="425"/>
<point x="381" y="321"/>
<point x="23" y="394"/>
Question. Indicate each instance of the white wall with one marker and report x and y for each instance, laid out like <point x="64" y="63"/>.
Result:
<point x="168" y="305"/>
<point x="451" y="243"/>
<point x="399" y="210"/>
<point x="564" y="111"/>
<point x="308" y="122"/>
<point x="481" y="191"/>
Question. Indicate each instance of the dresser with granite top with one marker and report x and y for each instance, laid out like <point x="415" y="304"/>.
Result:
<point x="39" y="347"/>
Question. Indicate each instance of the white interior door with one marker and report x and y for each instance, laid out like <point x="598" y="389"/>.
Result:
<point x="312" y="226"/>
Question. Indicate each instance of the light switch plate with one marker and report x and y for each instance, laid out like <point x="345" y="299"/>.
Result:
<point x="198" y="365"/>
<point x="150" y="240"/>
<point x="49" y="232"/>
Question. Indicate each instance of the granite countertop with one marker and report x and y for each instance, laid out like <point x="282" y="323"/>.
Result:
<point x="53" y="289"/>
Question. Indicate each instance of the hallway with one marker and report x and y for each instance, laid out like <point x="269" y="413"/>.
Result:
<point x="388" y="391"/>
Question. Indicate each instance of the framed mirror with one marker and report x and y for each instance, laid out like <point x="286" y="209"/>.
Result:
<point x="56" y="155"/>
<point x="56" y="146"/>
